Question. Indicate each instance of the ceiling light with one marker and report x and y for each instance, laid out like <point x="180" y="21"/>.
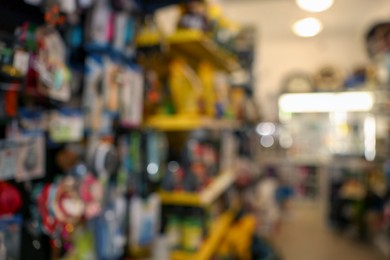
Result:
<point x="307" y="27"/>
<point x="315" y="6"/>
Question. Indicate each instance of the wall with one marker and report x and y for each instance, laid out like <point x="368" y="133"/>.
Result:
<point x="279" y="51"/>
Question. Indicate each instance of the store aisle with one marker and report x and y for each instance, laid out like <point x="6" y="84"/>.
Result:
<point x="304" y="236"/>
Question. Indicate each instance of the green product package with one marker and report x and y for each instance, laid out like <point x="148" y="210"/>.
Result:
<point x="173" y="232"/>
<point x="192" y="234"/>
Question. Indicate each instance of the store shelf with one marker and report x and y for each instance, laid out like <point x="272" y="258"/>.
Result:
<point x="182" y="255"/>
<point x="210" y="245"/>
<point x="204" y="198"/>
<point x="147" y="39"/>
<point x="188" y="122"/>
<point x="196" y="45"/>
<point x="173" y="123"/>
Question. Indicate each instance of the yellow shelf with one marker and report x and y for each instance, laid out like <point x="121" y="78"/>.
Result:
<point x="174" y="123"/>
<point x="182" y="255"/>
<point x="188" y="122"/>
<point x="210" y="245"/>
<point x="198" y="46"/>
<point x="180" y="198"/>
<point x="204" y="198"/>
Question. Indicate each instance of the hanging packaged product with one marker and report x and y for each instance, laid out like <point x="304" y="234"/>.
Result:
<point x="32" y="120"/>
<point x="192" y="233"/>
<point x="123" y="175"/>
<point x="93" y="95"/>
<point x="91" y="192"/>
<point x="134" y="163"/>
<point x="10" y="199"/>
<point x="11" y="77"/>
<point x="60" y="207"/>
<point x="66" y="202"/>
<point x="66" y="125"/>
<point x="21" y="61"/>
<point x="10" y="237"/>
<point x="104" y="159"/>
<point x="144" y="224"/>
<point x="8" y="159"/>
<point x="54" y="77"/>
<point x="131" y="97"/>
<point x="9" y="58"/>
<point x="114" y="79"/>
<point x="99" y="26"/>
<point x="123" y="39"/>
<point x="9" y="99"/>
<point x="173" y="232"/>
<point x="31" y="159"/>
<point x="110" y="227"/>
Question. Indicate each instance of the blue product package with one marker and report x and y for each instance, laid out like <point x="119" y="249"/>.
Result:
<point x="10" y="237"/>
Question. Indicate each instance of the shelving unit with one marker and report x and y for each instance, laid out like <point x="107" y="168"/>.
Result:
<point x="196" y="46"/>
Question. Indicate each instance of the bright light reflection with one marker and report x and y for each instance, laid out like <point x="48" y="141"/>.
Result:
<point x="152" y="168"/>
<point x="267" y="141"/>
<point x="265" y="128"/>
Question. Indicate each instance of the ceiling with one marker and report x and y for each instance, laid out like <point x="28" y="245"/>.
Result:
<point x="274" y="17"/>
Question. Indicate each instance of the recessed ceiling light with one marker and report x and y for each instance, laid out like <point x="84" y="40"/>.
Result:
<point x="315" y="6"/>
<point x="307" y="27"/>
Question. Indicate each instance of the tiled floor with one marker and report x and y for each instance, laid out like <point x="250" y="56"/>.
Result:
<point x="304" y="236"/>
